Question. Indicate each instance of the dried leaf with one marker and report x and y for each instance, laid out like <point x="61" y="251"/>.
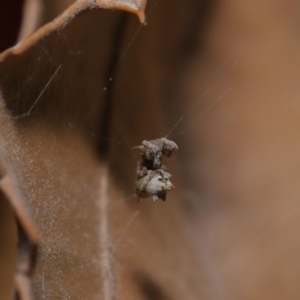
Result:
<point x="74" y="107"/>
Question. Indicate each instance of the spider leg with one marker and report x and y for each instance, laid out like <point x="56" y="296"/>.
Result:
<point x="155" y="198"/>
<point x="141" y="170"/>
<point x="150" y="146"/>
<point x="164" y="168"/>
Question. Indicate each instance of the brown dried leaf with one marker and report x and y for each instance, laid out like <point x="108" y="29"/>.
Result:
<point x="74" y="107"/>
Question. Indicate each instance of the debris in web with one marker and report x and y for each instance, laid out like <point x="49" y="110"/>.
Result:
<point x="152" y="177"/>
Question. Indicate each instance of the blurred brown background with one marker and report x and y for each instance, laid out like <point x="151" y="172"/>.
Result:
<point x="230" y="97"/>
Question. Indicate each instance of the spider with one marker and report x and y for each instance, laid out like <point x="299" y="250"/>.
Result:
<point x="155" y="183"/>
<point x="153" y="151"/>
<point x="152" y="177"/>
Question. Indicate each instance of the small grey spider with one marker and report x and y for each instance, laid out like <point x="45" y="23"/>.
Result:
<point x="155" y="183"/>
<point x="152" y="177"/>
